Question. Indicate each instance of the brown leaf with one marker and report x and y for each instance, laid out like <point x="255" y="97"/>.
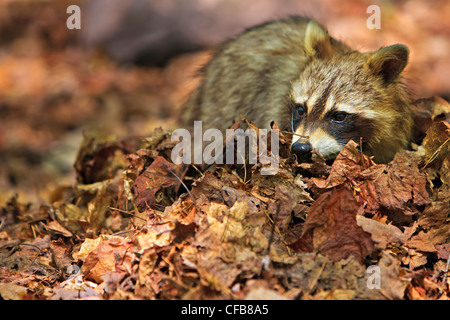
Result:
<point x="437" y="144"/>
<point x="260" y="293"/>
<point x="349" y="164"/>
<point x="10" y="291"/>
<point x="402" y="188"/>
<point x="288" y="197"/>
<point x="445" y="172"/>
<point x="158" y="176"/>
<point x="61" y="254"/>
<point x="228" y="189"/>
<point x="435" y="215"/>
<point x="331" y="228"/>
<point x="55" y="227"/>
<point x="427" y="241"/>
<point x="114" y="254"/>
<point x="443" y="251"/>
<point x="382" y="234"/>
<point x="150" y="277"/>
<point x="398" y="188"/>
<point x="138" y="161"/>
<point x="426" y="112"/>
<point x="99" y="157"/>
<point x="393" y="284"/>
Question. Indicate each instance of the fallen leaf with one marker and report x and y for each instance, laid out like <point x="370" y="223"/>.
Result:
<point x="156" y="234"/>
<point x="402" y="188"/>
<point x="443" y="251"/>
<point x="427" y="241"/>
<point x="428" y="111"/>
<point x="159" y="176"/>
<point x="61" y="255"/>
<point x="10" y="291"/>
<point x="331" y="228"/>
<point x="347" y="166"/>
<point x="99" y="157"/>
<point x="114" y="254"/>
<point x="381" y="233"/>
<point x="263" y="294"/>
<point x="56" y="227"/>
<point x="437" y="144"/>
<point x="334" y="294"/>
<point x="71" y="217"/>
<point x="90" y="244"/>
<point x="393" y="283"/>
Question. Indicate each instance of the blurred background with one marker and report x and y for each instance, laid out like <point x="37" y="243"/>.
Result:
<point x="133" y="62"/>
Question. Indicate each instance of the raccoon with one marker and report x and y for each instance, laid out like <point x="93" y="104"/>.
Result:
<point x="292" y="72"/>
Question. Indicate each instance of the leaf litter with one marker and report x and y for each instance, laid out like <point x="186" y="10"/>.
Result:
<point x="140" y="227"/>
<point x="136" y="226"/>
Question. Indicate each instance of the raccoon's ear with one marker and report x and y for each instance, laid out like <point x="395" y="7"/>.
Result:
<point x="317" y="41"/>
<point x="388" y="62"/>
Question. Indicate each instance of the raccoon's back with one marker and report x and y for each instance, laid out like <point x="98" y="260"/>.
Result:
<point x="251" y="75"/>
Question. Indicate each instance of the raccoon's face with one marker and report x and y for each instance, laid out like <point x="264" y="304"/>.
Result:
<point x="343" y="95"/>
<point x="332" y="103"/>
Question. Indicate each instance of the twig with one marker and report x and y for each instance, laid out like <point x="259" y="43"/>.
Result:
<point x="127" y="212"/>
<point x="181" y="183"/>
<point x="436" y="153"/>
<point x="446" y="269"/>
<point x="34" y="246"/>
<point x="295" y="134"/>
<point x="316" y="279"/>
<point x="274" y="227"/>
<point x="245" y="170"/>
<point x="361" y="151"/>
<point x="125" y="231"/>
<point x="198" y="170"/>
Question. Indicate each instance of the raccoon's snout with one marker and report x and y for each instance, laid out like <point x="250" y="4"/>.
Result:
<point x="302" y="150"/>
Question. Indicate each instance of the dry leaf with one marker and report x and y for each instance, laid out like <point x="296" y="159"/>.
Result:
<point x="10" y="291"/>
<point x="348" y="165"/>
<point x="159" y="176"/>
<point x="437" y="144"/>
<point x="111" y="255"/>
<point x="393" y="284"/>
<point x="382" y="234"/>
<point x="331" y="228"/>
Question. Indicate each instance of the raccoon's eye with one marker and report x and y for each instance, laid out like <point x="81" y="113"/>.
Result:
<point x="339" y="117"/>
<point x="300" y="109"/>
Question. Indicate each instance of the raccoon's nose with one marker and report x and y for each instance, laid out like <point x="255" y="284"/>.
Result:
<point x="301" y="149"/>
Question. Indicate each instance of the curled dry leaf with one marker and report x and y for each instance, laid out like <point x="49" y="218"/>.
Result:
<point x="349" y="164"/>
<point x="402" y="188"/>
<point x="159" y="176"/>
<point x="437" y="144"/>
<point x="398" y="189"/>
<point x="110" y="255"/>
<point x="382" y="234"/>
<point x="428" y="111"/>
<point x="99" y="157"/>
<point x="331" y="228"/>
<point x="393" y="283"/>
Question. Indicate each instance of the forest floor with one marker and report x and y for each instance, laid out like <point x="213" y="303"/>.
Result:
<point x="92" y="207"/>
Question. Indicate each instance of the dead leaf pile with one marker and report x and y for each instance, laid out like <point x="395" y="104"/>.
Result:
<point x="136" y="226"/>
<point x="132" y="225"/>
